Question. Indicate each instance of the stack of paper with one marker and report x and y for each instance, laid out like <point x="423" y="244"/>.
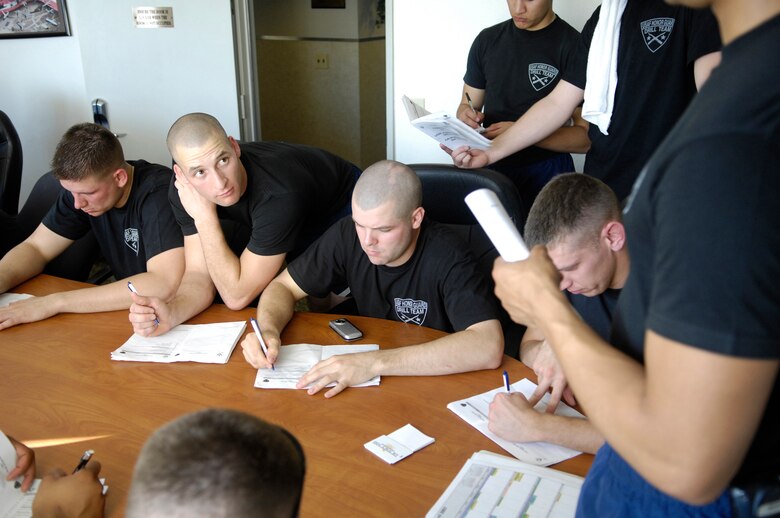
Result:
<point x="443" y="127"/>
<point x="202" y="343"/>
<point x="491" y="485"/>
<point x="474" y="411"/>
<point x="296" y="360"/>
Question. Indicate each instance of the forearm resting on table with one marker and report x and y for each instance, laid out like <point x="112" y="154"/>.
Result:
<point x="21" y="263"/>
<point x="196" y="293"/>
<point x="572" y="432"/>
<point x="481" y="346"/>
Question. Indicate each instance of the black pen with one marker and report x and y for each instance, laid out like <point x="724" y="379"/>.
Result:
<point x="83" y="461"/>
<point x="468" y="98"/>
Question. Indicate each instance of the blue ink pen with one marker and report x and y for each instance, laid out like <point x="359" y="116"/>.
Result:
<point x="83" y="461"/>
<point x="260" y="338"/>
<point x="506" y="382"/>
<point x="132" y="288"/>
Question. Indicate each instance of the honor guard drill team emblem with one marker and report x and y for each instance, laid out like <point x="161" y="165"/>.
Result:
<point x="655" y="32"/>
<point x="541" y="75"/>
<point x="411" y="311"/>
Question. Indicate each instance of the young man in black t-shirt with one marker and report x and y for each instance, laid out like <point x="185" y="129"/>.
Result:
<point x="125" y="204"/>
<point x="664" y="54"/>
<point x="283" y="195"/>
<point x="688" y="398"/>
<point x="578" y="219"/>
<point x="398" y="268"/>
<point x="510" y="66"/>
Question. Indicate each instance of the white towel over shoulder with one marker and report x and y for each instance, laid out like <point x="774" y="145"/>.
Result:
<point x="601" y="79"/>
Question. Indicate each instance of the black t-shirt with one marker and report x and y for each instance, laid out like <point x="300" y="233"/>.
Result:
<point x="516" y="68"/>
<point x="703" y="221"/>
<point x="438" y="287"/>
<point x="131" y="235"/>
<point x="658" y="46"/>
<point x="291" y="189"/>
<point x="596" y="311"/>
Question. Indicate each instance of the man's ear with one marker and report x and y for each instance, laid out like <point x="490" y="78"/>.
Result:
<point x="235" y="146"/>
<point x="179" y="173"/>
<point x="417" y="217"/>
<point x="121" y="177"/>
<point x="615" y="234"/>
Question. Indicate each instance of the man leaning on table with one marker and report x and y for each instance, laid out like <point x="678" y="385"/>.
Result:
<point x="282" y="195"/>
<point x="578" y="219"/>
<point x="125" y="204"/>
<point x="398" y="267"/>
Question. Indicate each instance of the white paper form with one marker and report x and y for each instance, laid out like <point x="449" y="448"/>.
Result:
<point x="491" y="485"/>
<point x="474" y="411"/>
<point x="296" y="360"/>
<point x="443" y="127"/>
<point x="398" y="445"/>
<point x="13" y="503"/>
<point x="7" y="298"/>
<point x="202" y="343"/>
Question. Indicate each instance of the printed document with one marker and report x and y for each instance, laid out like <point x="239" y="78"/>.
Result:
<point x="296" y="360"/>
<point x="443" y="127"/>
<point x="202" y="343"/>
<point x="474" y="411"/>
<point x="13" y="503"/>
<point x="491" y="485"/>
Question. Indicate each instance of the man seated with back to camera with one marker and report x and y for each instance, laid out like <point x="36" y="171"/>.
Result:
<point x="124" y="203"/>
<point x="284" y="195"/>
<point x="398" y="267"/>
<point x="214" y="462"/>
<point x="578" y="219"/>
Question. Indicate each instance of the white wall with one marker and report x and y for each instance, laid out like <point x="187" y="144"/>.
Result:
<point x="48" y="84"/>
<point x="427" y="59"/>
<point x="43" y="93"/>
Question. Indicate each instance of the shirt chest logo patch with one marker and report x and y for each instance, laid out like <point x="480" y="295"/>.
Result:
<point x="541" y="75"/>
<point x="132" y="239"/>
<point x="411" y="311"/>
<point x="656" y="32"/>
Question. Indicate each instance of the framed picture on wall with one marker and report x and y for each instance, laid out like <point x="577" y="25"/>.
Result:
<point x="33" y="18"/>
<point x="326" y="4"/>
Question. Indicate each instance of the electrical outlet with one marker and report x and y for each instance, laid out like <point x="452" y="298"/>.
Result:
<point x="321" y="61"/>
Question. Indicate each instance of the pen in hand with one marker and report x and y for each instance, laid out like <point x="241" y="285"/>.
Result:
<point x="83" y="461"/>
<point x="132" y="288"/>
<point x="471" y="105"/>
<point x="506" y="382"/>
<point x="260" y="338"/>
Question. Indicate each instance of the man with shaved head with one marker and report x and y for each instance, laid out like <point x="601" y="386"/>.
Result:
<point x="398" y="267"/>
<point x="282" y="196"/>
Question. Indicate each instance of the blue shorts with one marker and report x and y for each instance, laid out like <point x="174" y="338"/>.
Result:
<point x="613" y="488"/>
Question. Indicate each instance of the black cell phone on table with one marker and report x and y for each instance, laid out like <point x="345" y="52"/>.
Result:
<point x="345" y="329"/>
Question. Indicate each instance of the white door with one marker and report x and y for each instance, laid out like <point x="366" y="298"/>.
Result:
<point x="150" y="77"/>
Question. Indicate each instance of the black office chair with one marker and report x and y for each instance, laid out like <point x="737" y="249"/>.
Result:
<point x="444" y="189"/>
<point x="10" y="166"/>
<point x="74" y="263"/>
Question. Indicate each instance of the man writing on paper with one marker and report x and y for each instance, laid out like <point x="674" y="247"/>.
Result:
<point x="214" y="462"/>
<point x="283" y="195"/>
<point x="687" y="392"/>
<point x="398" y="267"/>
<point x="125" y="204"/>
<point x="662" y="55"/>
<point x="578" y="219"/>
<point x="511" y="66"/>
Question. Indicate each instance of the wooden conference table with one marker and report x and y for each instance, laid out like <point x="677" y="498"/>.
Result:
<point x="58" y="385"/>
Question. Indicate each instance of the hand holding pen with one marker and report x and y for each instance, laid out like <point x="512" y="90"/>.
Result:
<point x="260" y="339"/>
<point x="79" y="494"/>
<point x="133" y="290"/>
